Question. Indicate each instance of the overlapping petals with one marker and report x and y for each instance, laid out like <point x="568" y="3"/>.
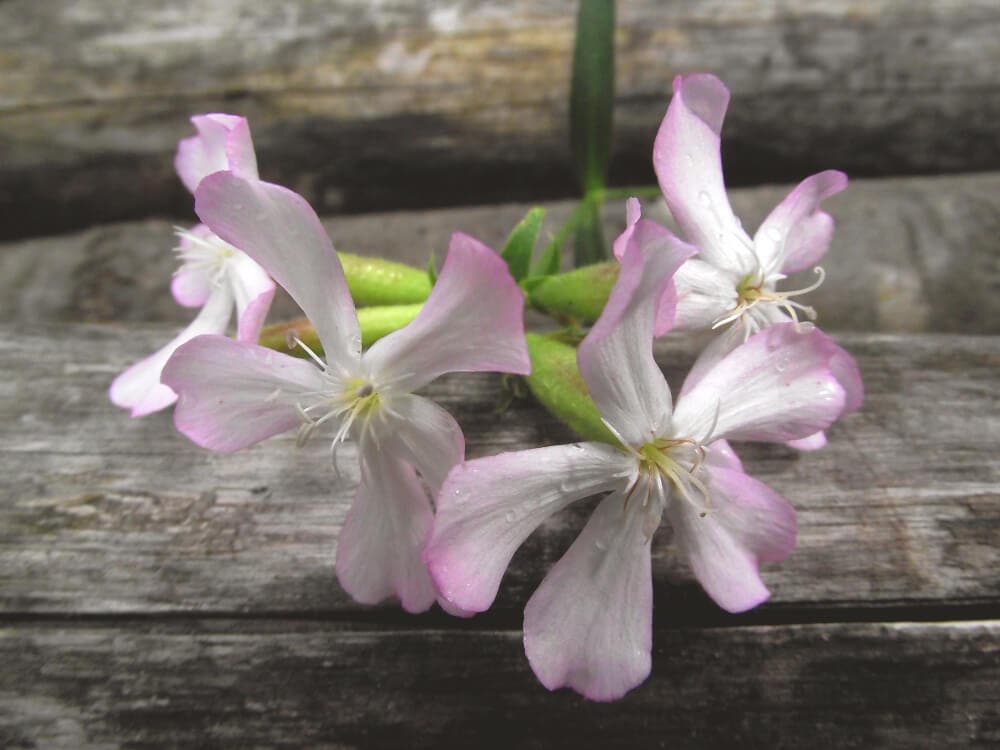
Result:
<point x="233" y="394"/>
<point x="588" y="626"/>
<point x="214" y="274"/>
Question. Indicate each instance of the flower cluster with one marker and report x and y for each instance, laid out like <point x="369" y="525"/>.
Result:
<point x="428" y="526"/>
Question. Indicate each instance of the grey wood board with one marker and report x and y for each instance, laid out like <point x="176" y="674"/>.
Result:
<point x="366" y="105"/>
<point x="910" y="254"/>
<point x="326" y="684"/>
<point x="100" y="513"/>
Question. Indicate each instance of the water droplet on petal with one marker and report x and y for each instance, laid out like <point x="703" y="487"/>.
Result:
<point x="705" y="198"/>
<point x="601" y="545"/>
<point x="774" y="233"/>
<point x="510" y="517"/>
<point x="689" y="160"/>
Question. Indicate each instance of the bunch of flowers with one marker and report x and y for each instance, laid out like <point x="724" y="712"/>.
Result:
<point x="428" y="526"/>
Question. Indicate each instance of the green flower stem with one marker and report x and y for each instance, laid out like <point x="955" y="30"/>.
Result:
<point x="578" y="295"/>
<point x="375" y="323"/>
<point x="556" y="382"/>
<point x="376" y="281"/>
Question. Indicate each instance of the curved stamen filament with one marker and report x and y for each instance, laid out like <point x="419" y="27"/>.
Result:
<point x="752" y="292"/>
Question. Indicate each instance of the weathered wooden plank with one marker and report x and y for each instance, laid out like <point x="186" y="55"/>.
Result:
<point x="912" y="254"/>
<point x="366" y="105"/>
<point x="252" y="684"/>
<point x="100" y="513"/>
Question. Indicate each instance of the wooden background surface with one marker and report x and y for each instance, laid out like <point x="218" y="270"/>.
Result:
<point x="155" y="595"/>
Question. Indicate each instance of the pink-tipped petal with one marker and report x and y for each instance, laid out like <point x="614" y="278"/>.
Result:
<point x="253" y="291"/>
<point x="191" y="287"/>
<point x="845" y="369"/>
<point x="704" y="294"/>
<point x="425" y="435"/>
<point x="616" y="357"/>
<point x="139" y="389"/>
<point x="814" y="442"/>
<point x="489" y="506"/>
<point x="472" y="321"/>
<point x="223" y="143"/>
<point x="378" y="551"/>
<point x="589" y="624"/>
<point x="234" y="394"/>
<point x="778" y="386"/>
<point x="796" y="234"/>
<point x="747" y="523"/>
<point x="633" y="212"/>
<point x="688" y="163"/>
<point x="279" y="230"/>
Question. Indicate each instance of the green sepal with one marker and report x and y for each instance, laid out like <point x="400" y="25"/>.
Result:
<point x="556" y="382"/>
<point x="521" y="243"/>
<point x="432" y="271"/>
<point x="376" y="281"/>
<point x="375" y="322"/>
<point x="578" y="295"/>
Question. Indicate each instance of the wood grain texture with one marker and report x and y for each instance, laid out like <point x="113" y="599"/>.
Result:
<point x="290" y="685"/>
<point x="910" y="254"/>
<point x="100" y="513"/>
<point x="372" y="105"/>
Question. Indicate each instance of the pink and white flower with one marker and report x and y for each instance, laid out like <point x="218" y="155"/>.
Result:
<point x="213" y="275"/>
<point x="234" y="394"/>
<point x="732" y="283"/>
<point x="589" y="624"/>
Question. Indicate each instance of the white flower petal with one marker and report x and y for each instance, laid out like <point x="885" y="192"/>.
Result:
<point x="704" y="294"/>
<point x="796" y="234"/>
<point x="235" y="394"/>
<point x="747" y="523"/>
<point x="778" y="386"/>
<point x="425" y="435"/>
<point x="378" y="551"/>
<point x="223" y="143"/>
<point x="589" y="624"/>
<point x="489" y="506"/>
<point x="279" y="230"/>
<point x="688" y="163"/>
<point x="139" y="388"/>
<point x="616" y="357"/>
<point x="472" y="321"/>
<point x="253" y="291"/>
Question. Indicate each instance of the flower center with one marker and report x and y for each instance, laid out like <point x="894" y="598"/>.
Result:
<point x="344" y="399"/>
<point x="206" y="254"/>
<point x="675" y="462"/>
<point x="754" y="290"/>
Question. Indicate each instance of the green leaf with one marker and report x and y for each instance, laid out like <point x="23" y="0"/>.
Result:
<point x="432" y="272"/>
<point x="521" y="243"/>
<point x="550" y="259"/>
<point x="588" y="240"/>
<point x="592" y="92"/>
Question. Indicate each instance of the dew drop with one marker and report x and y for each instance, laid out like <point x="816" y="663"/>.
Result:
<point x="774" y="233"/>
<point x="705" y="198"/>
<point x="601" y="545"/>
<point x="689" y="160"/>
<point x="510" y="517"/>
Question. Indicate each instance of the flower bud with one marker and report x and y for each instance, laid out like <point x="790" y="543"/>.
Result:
<point x="556" y="382"/>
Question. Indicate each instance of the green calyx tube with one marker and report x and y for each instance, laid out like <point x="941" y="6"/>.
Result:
<point x="379" y="282"/>
<point x="578" y="295"/>
<point x="375" y="323"/>
<point x="556" y="382"/>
